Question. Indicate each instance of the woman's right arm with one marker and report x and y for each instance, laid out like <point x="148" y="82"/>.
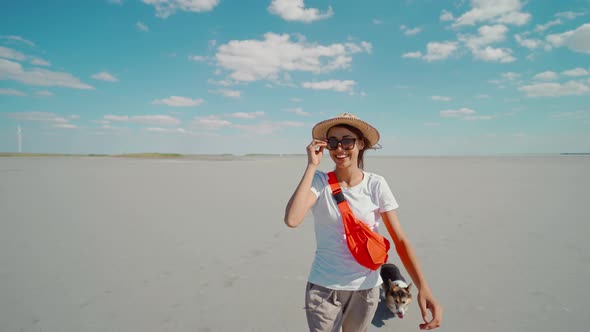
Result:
<point x="303" y="198"/>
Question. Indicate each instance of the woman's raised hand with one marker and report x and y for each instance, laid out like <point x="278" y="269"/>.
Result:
<point x="315" y="151"/>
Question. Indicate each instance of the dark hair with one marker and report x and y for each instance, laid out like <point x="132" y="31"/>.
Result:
<point x="359" y="134"/>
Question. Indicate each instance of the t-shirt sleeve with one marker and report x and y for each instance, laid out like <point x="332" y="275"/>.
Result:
<point x="387" y="201"/>
<point x="319" y="182"/>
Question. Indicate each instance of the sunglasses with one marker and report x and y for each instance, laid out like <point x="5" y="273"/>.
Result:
<point x="347" y="143"/>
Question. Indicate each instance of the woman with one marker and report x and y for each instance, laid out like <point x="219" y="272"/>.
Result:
<point x="341" y="292"/>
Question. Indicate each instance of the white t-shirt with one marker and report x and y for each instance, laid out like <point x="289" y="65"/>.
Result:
<point x="334" y="266"/>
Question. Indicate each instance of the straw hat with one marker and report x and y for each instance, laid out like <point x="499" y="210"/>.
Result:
<point x="320" y="130"/>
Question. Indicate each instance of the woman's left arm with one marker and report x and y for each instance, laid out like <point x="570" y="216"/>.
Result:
<point x="404" y="249"/>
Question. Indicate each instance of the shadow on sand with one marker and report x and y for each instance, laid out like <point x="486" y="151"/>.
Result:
<point x="382" y="314"/>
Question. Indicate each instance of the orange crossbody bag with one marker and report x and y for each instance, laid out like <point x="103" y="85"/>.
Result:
<point x="369" y="248"/>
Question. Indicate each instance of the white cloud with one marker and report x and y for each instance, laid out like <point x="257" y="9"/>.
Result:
<point x="142" y="27"/>
<point x="103" y="122"/>
<point x="19" y="39"/>
<point x="158" y="129"/>
<point x="478" y="117"/>
<point x="577" y="40"/>
<point x="296" y="100"/>
<point x="482" y="96"/>
<point x="294" y="10"/>
<point x="65" y="126"/>
<point x="441" y="98"/>
<point x="457" y="113"/>
<point x="572" y="115"/>
<point x="435" y="51"/>
<point x="165" y="120"/>
<point x="377" y="22"/>
<point x="569" y="15"/>
<point x="39" y="61"/>
<point x="410" y="31"/>
<point x="117" y="2"/>
<point x="38" y="116"/>
<point x="487" y="34"/>
<point x="297" y="111"/>
<point x="116" y="118"/>
<point x="105" y="76"/>
<point x="334" y="85"/>
<point x="245" y="115"/>
<point x="492" y="54"/>
<point x="44" y="93"/>
<point x="165" y="8"/>
<point x="511" y="76"/>
<point x="12" y="92"/>
<point x="161" y="120"/>
<point x="364" y="47"/>
<point x="178" y="101"/>
<point x="576" y="72"/>
<point x="439" y="51"/>
<point x="9" y="53"/>
<point x="210" y="123"/>
<point x="251" y="60"/>
<point x="543" y="27"/>
<point x="412" y="55"/>
<point x="168" y="130"/>
<point x="546" y="76"/>
<point x="198" y="58"/>
<point x="228" y="93"/>
<point x="529" y="43"/>
<point x="446" y="16"/>
<point x="221" y="83"/>
<point x="571" y="88"/>
<point x="498" y="11"/>
<point x="268" y="127"/>
<point x="479" y="44"/>
<point x="36" y="76"/>
<point x="111" y="128"/>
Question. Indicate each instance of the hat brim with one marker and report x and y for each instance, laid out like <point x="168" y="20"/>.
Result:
<point x="320" y="130"/>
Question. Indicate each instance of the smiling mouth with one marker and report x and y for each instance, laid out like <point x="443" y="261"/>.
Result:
<point x="342" y="156"/>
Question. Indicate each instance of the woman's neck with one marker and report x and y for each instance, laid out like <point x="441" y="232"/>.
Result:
<point x="350" y="176"/>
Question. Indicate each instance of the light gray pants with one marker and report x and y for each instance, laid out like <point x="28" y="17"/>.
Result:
<point x="327" y="309"/>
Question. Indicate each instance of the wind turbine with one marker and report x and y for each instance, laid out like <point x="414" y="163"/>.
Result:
<point x="19" y="134"/>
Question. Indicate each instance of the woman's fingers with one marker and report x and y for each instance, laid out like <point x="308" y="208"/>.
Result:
<point x="318" y="142"/>
<point x="315" y="151"/>
<point x="317" y="145"/>
<point x="436" y="312"/>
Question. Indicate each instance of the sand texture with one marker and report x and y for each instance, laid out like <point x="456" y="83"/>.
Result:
<point x="109" y="244"/>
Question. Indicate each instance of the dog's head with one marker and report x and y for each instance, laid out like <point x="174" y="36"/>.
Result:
<point x="398" y="298"/>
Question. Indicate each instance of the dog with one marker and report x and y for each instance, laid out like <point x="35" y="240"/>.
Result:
<point x="397" y="292"/>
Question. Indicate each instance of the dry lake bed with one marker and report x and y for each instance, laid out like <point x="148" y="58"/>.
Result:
<point x="113" y="244"/>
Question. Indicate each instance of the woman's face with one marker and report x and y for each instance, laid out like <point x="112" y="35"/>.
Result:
<point x="344" y="155"/>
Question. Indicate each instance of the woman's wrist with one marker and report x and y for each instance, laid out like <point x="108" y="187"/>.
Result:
<point x="312" y="166"/>
<point x="424" y="288"/>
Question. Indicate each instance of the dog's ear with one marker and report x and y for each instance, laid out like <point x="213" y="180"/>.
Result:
<point x="391" y="284"/>
<point x="409" y="286"/>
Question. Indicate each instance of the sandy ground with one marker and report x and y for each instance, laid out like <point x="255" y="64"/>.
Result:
<point x="99" y="244"/>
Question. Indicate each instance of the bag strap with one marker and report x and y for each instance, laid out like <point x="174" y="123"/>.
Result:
<point x="338" y="195"/>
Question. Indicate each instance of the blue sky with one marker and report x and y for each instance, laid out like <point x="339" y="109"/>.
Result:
<point x="228" y="76"/>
